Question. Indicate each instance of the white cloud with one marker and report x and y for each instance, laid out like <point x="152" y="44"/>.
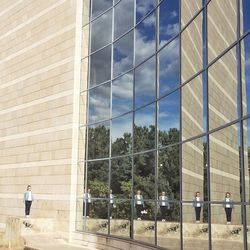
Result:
<point x="173" y="14"/>
<point x="144" y="6"/>
<point x="170" y="29"/>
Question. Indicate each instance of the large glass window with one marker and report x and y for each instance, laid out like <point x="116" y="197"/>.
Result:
<point x="123" y="54"/>
<point x="99" y="7"/>
<point x="145" y="38"/>
<point x="169" y="69"/>
<point x="245" y="15"/>
<point x="122" y="94"/>
<point x="169" y="20"/>
<point x="221" y="26"/>
<point x="245" y="74"/>
<point x="99" y="103"/>
<point x="101" y="31"/>
<point x="144" y="129"/>
<point x="100" y="66"/>
<point x="223" y="88"/>
<point x="143" y="7"/>
<point x="169" y="119"/>
<point x="145" y="82"/>
<point x="124" y="17"/>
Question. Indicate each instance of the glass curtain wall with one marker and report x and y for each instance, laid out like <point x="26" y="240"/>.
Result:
<point x="164" y="155"/>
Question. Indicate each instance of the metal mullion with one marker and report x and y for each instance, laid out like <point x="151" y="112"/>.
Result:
<point x="205" y="12"/>
<point x="180" y="134"/>
<point x="242" y="163"/>
<point x="133" y="126"/>
<point x="157" y="40"/>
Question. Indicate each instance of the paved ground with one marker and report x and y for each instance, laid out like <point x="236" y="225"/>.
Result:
<point x="43" y="242"/>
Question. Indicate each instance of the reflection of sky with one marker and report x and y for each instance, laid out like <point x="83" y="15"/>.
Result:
<point x="123" y="54"/>
<point x="247" y="70"/>
<point x="169" y="113"/>
<point x="169" y="66"/>
<point x="121" y="125"/>
<point x="99" y="103"/>
<point x="143" y="7"/>
<point x="99" y="7"/>
<point x="145" y="116"/>
<point x="169" y="20"/>
<point x="145" y="83"/>
<point x="246" y="15"/>
<point x="122" y="94"/>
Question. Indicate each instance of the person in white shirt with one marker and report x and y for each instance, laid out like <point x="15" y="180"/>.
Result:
<point x="27" y="199"/>
<point x="111" y="202"/>
<point x="164" y="205"/>
<point x="197" y="204"/>
<point x="139" y="204"/>
<point x="228" y="206"/>
<point x="87" y="201"/>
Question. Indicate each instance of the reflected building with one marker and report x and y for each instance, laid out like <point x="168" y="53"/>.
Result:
<point x="148" y="97"/>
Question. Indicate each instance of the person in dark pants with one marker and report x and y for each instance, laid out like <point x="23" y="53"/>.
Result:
<point x="87" y="202"/>
<point x="197" y="204"/>
<point x="228" y="206"/>
<point x="111" y="203"/>
<point x="139" y="204"/>
<point x="27" y="199"/>
<point x="164" y="205"/>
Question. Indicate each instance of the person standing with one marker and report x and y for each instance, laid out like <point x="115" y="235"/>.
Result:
<point x="27" y="199"/>
<point x="111" y="203"/>
<point x="228" y="206"/>
<point x="197" y="204"/>
<point x="164" y="205"/>
<point x="87" y="202"/>
<point x="139" y="204"/>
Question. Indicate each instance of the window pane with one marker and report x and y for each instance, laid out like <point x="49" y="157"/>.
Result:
<point x="169" y="172"/>
<point x="169" y="119"/>
<point x="221" y="229"/>
<point x="169" y="20"/>
<point x="123" y="54"/>
<point x="100" y="65"/>
<point x="143" y="7"/>
<point x="168" y="231"/>
<point x="96" y="196"/>
<point x="194" y="172"/>
<point x="145" y="39"/>
<point x="144" y="175"/>
<point x="188" y="9"/>
<point x="98" y="140"/>
<point x="195" y="226"/>
<point x="122" y="94"/>
<point x="245" y="15"/>
<point x="169" y="67"/>
<point x="123" y="22"/>
<point x="192" y="109"/>
<point x="145" y="83"/>
<point x="245" y="74"/>
<point x="192" y="48"/>
<point x="122" y="135"/>
<point x="225" y="163"/>
<point x="99" y="7"/>
<point x="222" y="26"/>
<point x="223" y="90"/>
<point x="144" y="129"/>
<point x="246" y="141"/>
<point x="101" y="31"/>
<point x="99" y="103"/>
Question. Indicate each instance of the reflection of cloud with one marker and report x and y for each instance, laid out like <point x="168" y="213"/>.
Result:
<point x="173" y="14"/>
<point x="247" y="62"/>
<point x="121" y="126"/>
<point x="101" y="31"/>
<point x="150" y="21"/>
<point x="123" y="22"/>
<point x="163" y="114"/>
<point x="170" y="29"/>
<point x="100" y="6"/>
<point x="144" y="6"/>
<point x="99" y="100"/>
<point x="123" y="86"/>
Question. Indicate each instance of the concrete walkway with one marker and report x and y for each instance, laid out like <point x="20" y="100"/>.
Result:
<point x="46" y="242"/>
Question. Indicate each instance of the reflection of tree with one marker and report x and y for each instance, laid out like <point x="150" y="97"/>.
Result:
<point x="98" y="139"/>
<point x="144" y="167"/>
